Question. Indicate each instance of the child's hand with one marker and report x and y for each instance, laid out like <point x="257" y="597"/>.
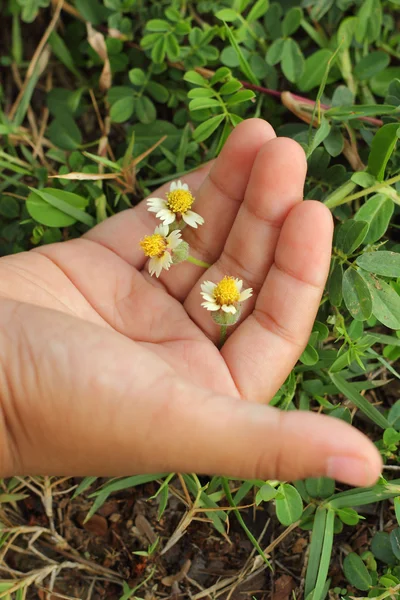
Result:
<point x="106" y="371"/>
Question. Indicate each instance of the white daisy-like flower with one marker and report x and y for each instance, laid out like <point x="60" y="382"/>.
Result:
<point x="176" y="206"/>
<point x="227" y="295"/>
<point x="159" y="247"/>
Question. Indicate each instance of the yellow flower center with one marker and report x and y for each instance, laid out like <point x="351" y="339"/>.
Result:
<point x="179" y="201"/>
<point x="153" y="245"/>
<point x="226" y="291"/>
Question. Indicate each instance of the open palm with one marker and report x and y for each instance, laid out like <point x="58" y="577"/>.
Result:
<point x="106" y="370"/>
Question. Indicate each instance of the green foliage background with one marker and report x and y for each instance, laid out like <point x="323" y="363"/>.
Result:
<point x="156" y="98"/>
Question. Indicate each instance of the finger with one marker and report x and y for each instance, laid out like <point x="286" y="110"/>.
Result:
<point x="218" y="202"/>
<point x="249" y="250"/>
<point x="265" y="347"/>
<point x="122" y="232"/>
<point x="80" y="399"/>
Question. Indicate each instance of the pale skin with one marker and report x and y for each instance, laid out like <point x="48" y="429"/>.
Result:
<point x="107" y="371"/>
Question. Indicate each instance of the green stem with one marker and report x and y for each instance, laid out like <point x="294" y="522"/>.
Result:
<point x="199" y="263"/>
<point x="251" y="537"/>
<point x="222" y="335"/>
<point x="364" y="192"/>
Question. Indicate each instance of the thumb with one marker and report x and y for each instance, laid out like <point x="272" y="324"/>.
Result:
<point x="78" y="398"/>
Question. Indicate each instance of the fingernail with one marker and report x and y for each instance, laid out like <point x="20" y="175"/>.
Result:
<point x="353" y="471"/>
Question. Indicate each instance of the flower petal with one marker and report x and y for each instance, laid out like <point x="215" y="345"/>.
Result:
<point x="174" y="239"/>
<point x="210" y="305"/>
<point x="246" y="294"/>
<point x="166" y="215"/>
<point x="162" y="229"/>
<point x="228" y="308"/>
<point x="207" y="297"/>
<point x="192" y="219"/>
<point x="153" y="265"/>
<point x="239" y="284"/>
<point x="173" y="186"/>
<point x="156" y="203"/>
<point x="208" y="287"/>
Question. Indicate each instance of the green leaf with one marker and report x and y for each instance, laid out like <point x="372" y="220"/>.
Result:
<point x="320" y="487"/>
<point x="350" y="235"/>
<point x="356" y="572"/>
<point x="227" y="14"/>
<point x="396" y="503"/>
<point x="348" y="390"/>
<point x="230" y="87"/>
<point x="159" y="49"/>
<point x="380" y="83"/>
<point x="317" y="540"/>
<point x="257" y="11"/>
<point x="57" y="208"/>
<point x="123" y="109"/>
<point x="309" y="356"/>
<point x="157" y="91"/>
<point x="394" y="419"/>
<point x="356" y="295"/>
<point x="322" y="585"/>
<point x="371" y="64"/>
<point x="348" y="515"/>
<point x="335" y="284"/>
<point x="346" y="113"/>
<point x="207" y="128"/>
<point x="382" y="147"/>
<point x="289" y="505"/>
<point x="201" y="92"/>
<point x="244" y="65"/>
<point x="239" y="97"/>
<point x="292" y="60"/>
<point x="195" y="78"/>
<point x="61" y="51"/>
<point x="275" y="51"/>
<point x="137" y="77"/>
<point x="395" y="542"/>
<point x="321" y="133"/>
<point x="172" y="47"/>
<point x="64" y="132"/>
<point x="292" y="21"/>
<point x="381" y="263"/>
<point x="158" y="25"/>
<point x="145" y="110"/>
<point x="202" y="103"/>
<point x="377" y="212"/>
<point x="385" y="302"/>
<point x="334" y="142"/>
<point x="381" y="548"/>
<point x="266" y="493"/>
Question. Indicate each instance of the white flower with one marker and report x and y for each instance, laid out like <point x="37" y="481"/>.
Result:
<point x="227" y="295"/>
<point x="159" y="247"/>
<point x="176" y="206"/>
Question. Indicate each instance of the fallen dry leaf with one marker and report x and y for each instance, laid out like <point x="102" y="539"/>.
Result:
<point x="97" y="41"/>
<point x="171" y="579"/>
<point x="283" y="588"/>
<point x="97" y="524"/>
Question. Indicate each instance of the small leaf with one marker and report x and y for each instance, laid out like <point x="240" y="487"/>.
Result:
<point x="348" y="389"/>
<point x="239" y="97"/>
<point x="350" y="235"/>
<point x="196" y="78"/>
<point x="289" y="505"/>
<point x="266" y="493"/>
<point x="137" y="77"/>
<point x="315" y="67"/>
<point x="377" y="212"/>
<point x="382" y="147"/>
<point x="335" y="285"/>
<point x="371" y="64"/>
<point x="275" y="51"/>
<point x="227" y="14"/>
<point x="207" y="128"/>
<point x="202" y="103"/>
<point x="145" y="110"/>
<point x="381" y="263"/>
<point x="385" y="302"/>
<point x="382" y="548"/>
<point x="57" y="208"/>
<point x="396" y="503"/>
<point x="123" y="109"/>
<point x="64" y="132"/>
<point x="258" y="10"/>
<point x="292" y="21"/>
<point x="320" y="487"/>
<point x="292" y="60"/>
<point x="357" y="296"/>
<point x="348" y="515"/>
<point x="356" y="572"/>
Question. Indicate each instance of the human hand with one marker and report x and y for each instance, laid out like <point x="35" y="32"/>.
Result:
<point x="107" y="371"/>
